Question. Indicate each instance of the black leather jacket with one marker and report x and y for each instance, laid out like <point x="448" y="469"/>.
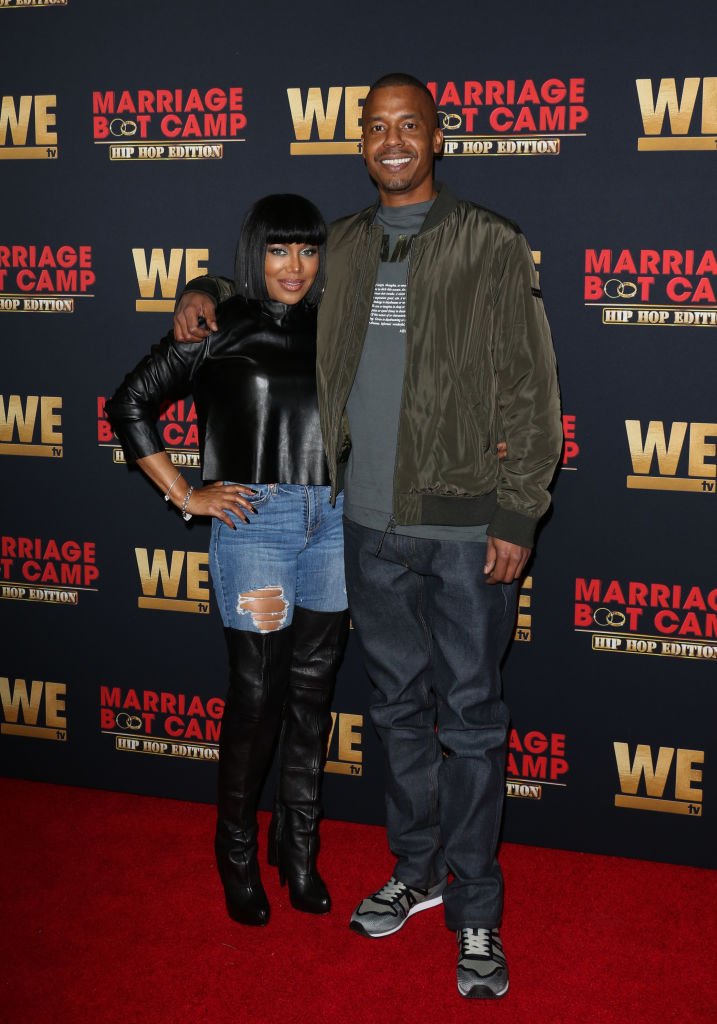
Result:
<point x="254" y="387"/>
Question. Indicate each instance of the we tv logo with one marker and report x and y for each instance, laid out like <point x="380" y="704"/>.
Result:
<point x="666" y="781"/>
<point x="316" y="114"/>
<point x="675" y="458"/>
<point x="31" y="425"/>
<point x="176" y="581"/>
<point x="668" y="114"/>
<point x="158" y="273"/>
<point x="28" y="127"/>
<point x="37" y="711"/>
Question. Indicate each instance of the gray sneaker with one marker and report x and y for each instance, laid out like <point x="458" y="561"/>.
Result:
<point x="482" y="967"/>
<point x="387" y="910"/>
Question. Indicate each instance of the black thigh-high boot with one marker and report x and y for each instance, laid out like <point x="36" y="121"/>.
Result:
<point x="259" y="676"/>
<point x="318" y="648"/>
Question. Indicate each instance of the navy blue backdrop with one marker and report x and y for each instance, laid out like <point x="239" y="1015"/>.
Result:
<point x="132" y="138"/>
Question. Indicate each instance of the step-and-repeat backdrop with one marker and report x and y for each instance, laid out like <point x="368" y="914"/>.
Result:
<point x="132" y="139"/>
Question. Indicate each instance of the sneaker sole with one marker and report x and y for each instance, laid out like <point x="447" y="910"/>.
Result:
<point x="356" y="926"/>
<point x="482" y="992"/>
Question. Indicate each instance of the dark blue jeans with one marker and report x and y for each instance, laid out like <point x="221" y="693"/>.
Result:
<point x="433" y="635"/>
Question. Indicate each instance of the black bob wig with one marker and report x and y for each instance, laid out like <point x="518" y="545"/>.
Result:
<point x="278" y="218"/>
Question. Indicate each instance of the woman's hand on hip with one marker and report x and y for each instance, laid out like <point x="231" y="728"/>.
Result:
<point x="217" y="499"/>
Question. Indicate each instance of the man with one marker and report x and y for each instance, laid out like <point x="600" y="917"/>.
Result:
<point x="433" y="344"/>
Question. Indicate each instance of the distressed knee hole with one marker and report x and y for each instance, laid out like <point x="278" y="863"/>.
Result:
<point x="267" y="607"/>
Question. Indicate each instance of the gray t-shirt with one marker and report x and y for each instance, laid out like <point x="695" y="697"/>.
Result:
<point x="374" y="403"/>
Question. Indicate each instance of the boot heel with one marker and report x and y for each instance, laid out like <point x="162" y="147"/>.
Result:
<point x="259" y="673"/>
<point x="245" y="896"/>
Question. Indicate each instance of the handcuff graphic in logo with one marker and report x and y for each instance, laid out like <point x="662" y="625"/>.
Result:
<point x="121" y="128"/>
<point x="450" y="121"/>
<point x="622" y="289"/>
<point x="128" y="721"/>
<point x="605" y="617"/>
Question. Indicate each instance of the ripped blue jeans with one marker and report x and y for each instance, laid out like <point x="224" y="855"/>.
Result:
<point x="289" y="554"/>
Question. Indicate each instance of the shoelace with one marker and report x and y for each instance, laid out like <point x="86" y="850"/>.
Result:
<point x="475" y="942"/>
<point x="392" y="890"/>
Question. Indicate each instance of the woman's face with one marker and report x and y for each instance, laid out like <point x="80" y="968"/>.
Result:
<point x="290" y="269"/>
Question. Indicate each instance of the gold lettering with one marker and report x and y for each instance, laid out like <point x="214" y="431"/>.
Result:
<point x="679" y="112"/>
<point x="157" y="272"/>
<point x="192" y="267"/>
<point x="50" y="420"/>
<point x="655" y="775"/>
<point x="159" y="573"/>
<point x="701" y="449"/>
<point x="655" y="444"/>
<point x="44" y="120"/>
<point x="17" y="703"/>
<point x="709" y="106"/>
<point x="350" y="738"/>
<point x="686" y="774"/>
<point x="326" y="118"/>
<point x="16" y="121"/>
<point x="198" y="575"/>
<point x="15" y="417"/>
<point x="352" y="114"/>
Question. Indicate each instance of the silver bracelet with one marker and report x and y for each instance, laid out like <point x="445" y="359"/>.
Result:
<point x="186" y="516"/>
<point x="166" y="497"/>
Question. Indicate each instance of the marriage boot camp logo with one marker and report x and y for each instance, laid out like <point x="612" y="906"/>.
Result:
<point x="673" y="620"/>
<point x="44" y="278"/>
<point x="168" y="124"/>
<point x="177" y="425"/>
<point x="51" y="571"/>
<point x="509" y="117"/>
<point x="653" y="287"/>
<point x="188" y="726"/>
<point x="535" y="759"/>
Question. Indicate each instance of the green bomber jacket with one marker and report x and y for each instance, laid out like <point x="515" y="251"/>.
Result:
<point x="480" y="368"/>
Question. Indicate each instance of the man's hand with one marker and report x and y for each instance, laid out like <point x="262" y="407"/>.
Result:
<point x="504" y="561"/>
<point x="191" y="307"/>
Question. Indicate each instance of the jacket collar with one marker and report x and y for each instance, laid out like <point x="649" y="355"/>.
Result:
<point x="444" y="204"/>
<point x="281" y="314"/>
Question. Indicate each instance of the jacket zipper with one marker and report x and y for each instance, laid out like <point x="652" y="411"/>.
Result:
<point x="390" y="528"/>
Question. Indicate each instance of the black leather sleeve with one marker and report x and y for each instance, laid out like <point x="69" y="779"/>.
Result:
<point x="162" y="376"/>
<point x="218" y="288"/>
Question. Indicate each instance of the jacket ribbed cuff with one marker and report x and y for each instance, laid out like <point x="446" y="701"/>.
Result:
<point x="514" y="527"/>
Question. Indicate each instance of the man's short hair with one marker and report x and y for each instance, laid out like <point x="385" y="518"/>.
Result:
<point x="282" y="217"/>
<point x="402" y="78"/>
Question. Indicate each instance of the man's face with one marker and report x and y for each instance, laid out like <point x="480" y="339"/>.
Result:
<point x="400" y="141"/>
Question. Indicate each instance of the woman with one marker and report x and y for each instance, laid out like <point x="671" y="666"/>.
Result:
<point x="279" y="581"/>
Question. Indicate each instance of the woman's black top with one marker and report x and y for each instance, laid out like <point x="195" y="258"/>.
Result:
<point x="254" y="388"/>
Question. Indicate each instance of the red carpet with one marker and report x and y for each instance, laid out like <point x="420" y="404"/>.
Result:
<point x="111" y="912"/>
